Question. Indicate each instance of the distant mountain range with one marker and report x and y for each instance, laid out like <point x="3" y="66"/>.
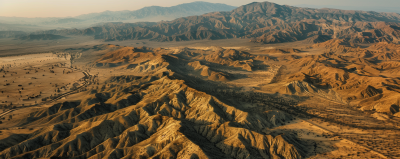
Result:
<point x="260" y="22"/>
<point x="147" y="14"/>
<point x="263" y="22"/>
<point x="345" y="7"/>
<point x="157" y="12"/>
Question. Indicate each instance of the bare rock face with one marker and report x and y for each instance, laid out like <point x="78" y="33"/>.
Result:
<point x="126" y="55"/>
<point x="300" y="87"/>
<point x="151" y="116"/>
<point x="369" y="92"/>
<point x="186" y="103"/>
<point x="318" y="38"/>
<point x="395" y="108"/>
<point x="208" y="72"/>
<point x="231" y="57"/>
<point x="262" y="22"/>
<point x="136" y="117"/>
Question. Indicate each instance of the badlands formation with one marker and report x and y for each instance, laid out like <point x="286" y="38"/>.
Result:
<point x="284" y="82"/>
<point x="327" y="100"/>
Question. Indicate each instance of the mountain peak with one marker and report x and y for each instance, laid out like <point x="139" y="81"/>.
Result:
<point x="261" y="7"/>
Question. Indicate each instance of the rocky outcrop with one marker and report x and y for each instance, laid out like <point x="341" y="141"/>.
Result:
<point x="369" y="92"/>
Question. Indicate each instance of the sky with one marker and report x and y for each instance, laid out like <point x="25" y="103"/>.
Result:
<point x="65" y="8"/>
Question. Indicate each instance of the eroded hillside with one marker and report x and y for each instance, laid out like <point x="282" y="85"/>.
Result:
<point x="262" y="22"/>
<point x="333" y="99"/>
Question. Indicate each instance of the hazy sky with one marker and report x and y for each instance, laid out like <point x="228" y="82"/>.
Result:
<point x="63" y="8"/>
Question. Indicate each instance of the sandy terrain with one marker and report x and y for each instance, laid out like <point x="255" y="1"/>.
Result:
<point x="28" y="79"/>
<point x="317" y="123"/>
